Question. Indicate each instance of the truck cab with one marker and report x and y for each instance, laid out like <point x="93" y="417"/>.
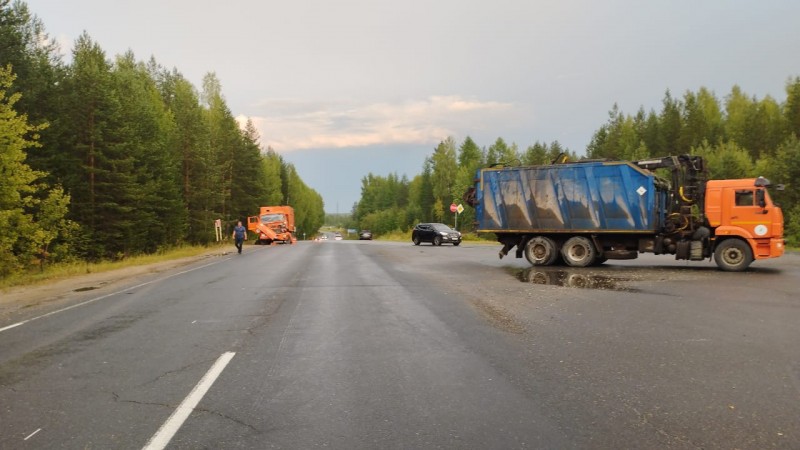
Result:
<point x="274" y="224"/>
<point x="745" y="223"/>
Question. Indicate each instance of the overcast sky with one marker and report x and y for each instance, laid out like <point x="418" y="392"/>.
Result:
<point x="344" y="88"/>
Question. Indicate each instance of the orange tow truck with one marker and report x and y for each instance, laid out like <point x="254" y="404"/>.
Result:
<point x="273" y="225"/>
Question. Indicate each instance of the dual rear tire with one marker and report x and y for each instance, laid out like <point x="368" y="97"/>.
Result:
<point x="577" y="251"/>
<point x="541" y="251"/>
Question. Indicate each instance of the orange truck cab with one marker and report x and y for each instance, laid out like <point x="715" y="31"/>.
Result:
<point x="273" y="225"/>
<point x="745" y="223"/>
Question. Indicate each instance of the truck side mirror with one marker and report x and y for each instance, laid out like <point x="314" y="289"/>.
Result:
<point x="761" y="200"/>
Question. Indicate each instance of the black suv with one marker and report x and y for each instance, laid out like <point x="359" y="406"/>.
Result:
<point x="365" y="235"/>
<point x="435" y="233"/>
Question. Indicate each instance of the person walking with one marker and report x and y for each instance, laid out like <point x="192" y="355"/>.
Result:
<point x="239" y="235"/>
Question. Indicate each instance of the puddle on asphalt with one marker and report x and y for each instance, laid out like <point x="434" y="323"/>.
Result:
<point x="573" y="278"/>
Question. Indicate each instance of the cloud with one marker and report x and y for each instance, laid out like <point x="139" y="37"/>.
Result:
<point x="289" y="125"/>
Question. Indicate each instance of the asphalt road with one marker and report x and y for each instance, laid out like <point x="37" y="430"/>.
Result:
<point x="348" y="345"/>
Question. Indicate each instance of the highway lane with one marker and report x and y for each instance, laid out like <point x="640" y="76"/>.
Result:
<point x="387" y="345"/>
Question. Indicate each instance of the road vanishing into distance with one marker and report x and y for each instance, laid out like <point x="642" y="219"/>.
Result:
<point x="387" y="345"/>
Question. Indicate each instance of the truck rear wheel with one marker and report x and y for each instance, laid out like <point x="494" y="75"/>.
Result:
<point x="541" y="251"/>
<point x="733" y="255"/>
<point x="578" y="251"/>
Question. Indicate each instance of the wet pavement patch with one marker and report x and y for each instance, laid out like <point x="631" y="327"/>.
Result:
<point x="87" y="288"/>
<point x="574" y="278"/>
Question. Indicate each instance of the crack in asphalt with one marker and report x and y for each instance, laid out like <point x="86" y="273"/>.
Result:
<point x="174" y="371"/>
<point x="227" y="417"/>
<point x="119" y="399"/>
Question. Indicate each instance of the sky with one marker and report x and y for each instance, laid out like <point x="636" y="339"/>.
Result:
<point x="346" y="88"/>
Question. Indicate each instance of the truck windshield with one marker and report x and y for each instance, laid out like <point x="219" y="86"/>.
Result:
<point x="267" y="218"/>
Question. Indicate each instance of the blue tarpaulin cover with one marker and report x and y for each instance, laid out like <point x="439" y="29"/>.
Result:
<point x="587" y="196"/>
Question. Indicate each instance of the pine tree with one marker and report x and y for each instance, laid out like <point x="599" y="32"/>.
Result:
<point x="272" y="163"/>
<point x="671" y="126"/>
<point x="190" y="141"/>
<point x="36" y="62"/>
<point x="443" y="176"/>
<point x="248" y="186"/>
<point x="145" y="135"/>
<point x="32" y="214"/>
<point x="224" y="141"/>
<point x="99" y="173"/>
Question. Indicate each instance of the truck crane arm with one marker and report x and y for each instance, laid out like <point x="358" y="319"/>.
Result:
<point x="687" y="187"/>
<point x="688" y="175"/>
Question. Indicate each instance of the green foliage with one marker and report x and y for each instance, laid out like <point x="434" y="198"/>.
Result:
<point x="272" y="163"/>
<point x="784" y="169"/>
<point x="470" y="155"/>
<point x="309" y="208"/>
<point x="535" y="155"/>
<point x="190" y="146"/>
<point x="502" y="153"/>
<point x="791" y="109"/>
<point x="702" y="119"/>
<point x="32" y="215"/>
<point x="158" y="218"/>
<point x="792" y="226"/>
<point x="443" y="177"/>
<point x="384" y="221"/>
<point x="726" y="161"/>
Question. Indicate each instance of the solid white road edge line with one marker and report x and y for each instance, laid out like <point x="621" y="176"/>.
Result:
<point x="107" y="295"/>
<point x="173" y="424"/>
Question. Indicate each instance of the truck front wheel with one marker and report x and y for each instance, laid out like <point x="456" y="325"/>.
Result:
<point x="541" y="251"/>
<point x="733" y="255"/>
<point x="578" y="251"/>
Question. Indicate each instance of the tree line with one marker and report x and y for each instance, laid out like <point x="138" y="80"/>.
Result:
<point x="104" y="158"/>
<point x="739" y="136"/>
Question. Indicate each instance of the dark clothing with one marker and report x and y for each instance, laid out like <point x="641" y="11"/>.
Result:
<point x="238" y="237"/>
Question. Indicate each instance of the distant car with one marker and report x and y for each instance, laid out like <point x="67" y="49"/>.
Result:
<point x="337" y="236"/>
<point x="435" y="233"/>
<point x="323" y="237"/>
<point x="365" y="235"/>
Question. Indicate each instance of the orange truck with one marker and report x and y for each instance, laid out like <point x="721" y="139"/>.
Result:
<point x="590" y="211"/>
<point x="273" y="225"/>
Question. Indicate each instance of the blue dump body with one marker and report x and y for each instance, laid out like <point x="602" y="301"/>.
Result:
<point x="607" y="197"/>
